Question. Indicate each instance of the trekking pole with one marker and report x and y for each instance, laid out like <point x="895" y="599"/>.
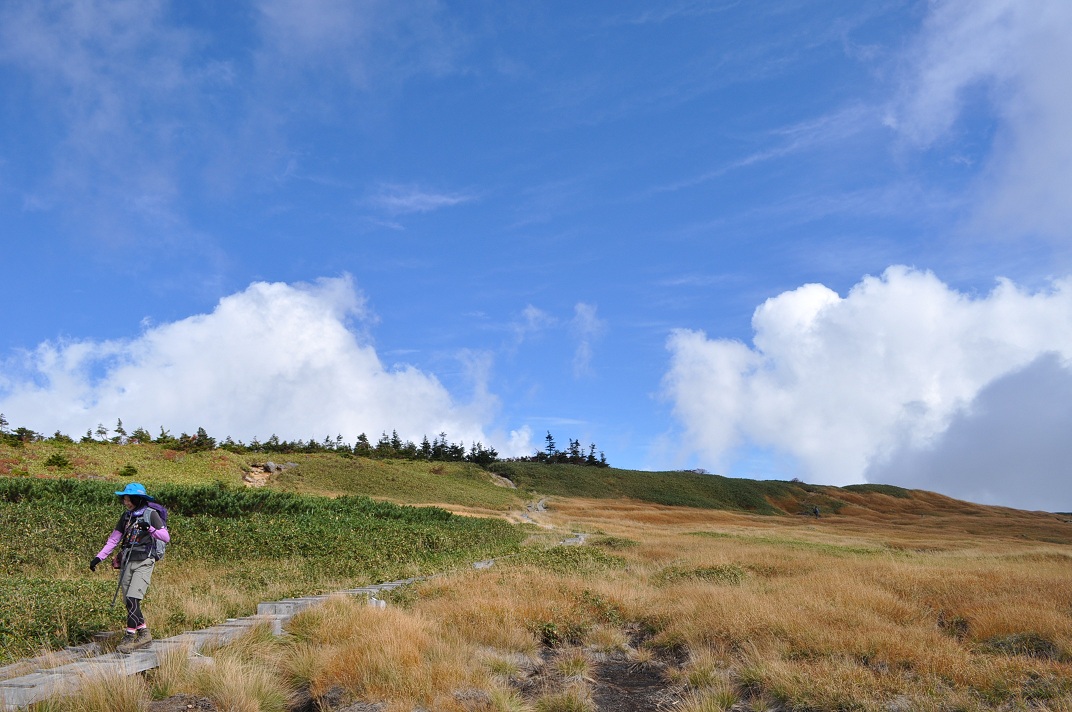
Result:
<point x="119" y="583"/>
<point x="124" y="554"/>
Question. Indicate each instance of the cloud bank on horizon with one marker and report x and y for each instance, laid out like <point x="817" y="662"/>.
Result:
<point x="901" y="370"/>
<point x="278" y="359"/>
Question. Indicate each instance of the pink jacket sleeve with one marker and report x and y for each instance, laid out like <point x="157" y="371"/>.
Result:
<point x="113" y="541"/>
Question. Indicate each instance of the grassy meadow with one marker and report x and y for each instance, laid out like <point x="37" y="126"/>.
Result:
<point x="891" y="601"/>
<point x="232" y="548"/>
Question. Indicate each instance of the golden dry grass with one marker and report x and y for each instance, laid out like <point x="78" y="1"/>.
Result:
<point x="102" y="693"/>
<point x="927" y="604"/>
<point x="383" y="654"/>
<point x="969" y="609"/>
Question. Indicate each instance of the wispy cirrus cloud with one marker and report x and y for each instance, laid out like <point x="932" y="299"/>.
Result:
<point x="98" y="68"/>
<point x="1008" y="59"/>
<point x="530" y="322"/>
<point x="366" y="43"/>
<point x="685" y="10"/>
<point x="819" y="132"/>
<point x="587" y="328"/>
<point x="397" y="199"/>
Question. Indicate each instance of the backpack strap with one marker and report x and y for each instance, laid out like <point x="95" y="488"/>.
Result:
<point x="157" y="546"/>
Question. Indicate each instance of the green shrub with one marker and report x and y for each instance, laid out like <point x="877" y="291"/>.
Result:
<point x="614" y="543"/>
<point x="1032" y="645"/>
<point x="891" y="490"/>
<point x="127" y="470"/>
<point x="568" y="559"/>
<point x="681" y="489"/>
<point x="47" y="613"/>
<point x="57" y="460"/>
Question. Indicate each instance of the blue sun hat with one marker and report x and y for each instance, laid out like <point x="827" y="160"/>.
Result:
<point x="135" y="489"/>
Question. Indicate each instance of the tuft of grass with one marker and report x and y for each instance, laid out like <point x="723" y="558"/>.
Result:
<point x="172" y="674"/>
<point x="573" y="664"/>
<point x="105" y="693"/>
<point x="706" y="668"/>
<point x="240" y="686"/>
<point x="642" y="656"/>
<point x="503" y="668"/>
<point x="302" y="663"/>
<point x="573" y="699"/>
<point x="382" y="653"/>
<point x="607" y="639"/>
<point x="721" y="699"/>
<point x="503" y="699"/>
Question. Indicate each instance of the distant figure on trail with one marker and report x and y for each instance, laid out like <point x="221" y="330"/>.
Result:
<point x="137" y="533"/>
<point x="815" y="511"/>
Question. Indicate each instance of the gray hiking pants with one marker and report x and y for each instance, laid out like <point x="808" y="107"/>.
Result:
<point x="136" y="577"/>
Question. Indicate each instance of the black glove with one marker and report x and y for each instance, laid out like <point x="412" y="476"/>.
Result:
<point x="93" y="564"/>
<point x="142" y="525"/>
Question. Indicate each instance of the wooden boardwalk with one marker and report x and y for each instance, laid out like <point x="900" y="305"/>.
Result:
<point x="34" y="680"/>
<point x="63" y="673"/>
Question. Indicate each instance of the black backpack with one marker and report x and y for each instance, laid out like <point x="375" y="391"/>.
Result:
<point x="146" y="516"/>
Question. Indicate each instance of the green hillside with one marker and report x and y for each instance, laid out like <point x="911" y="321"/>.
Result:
<point x="689" y="489"/>
<point x="453" y="484"/>
<point x="330" y="474"/>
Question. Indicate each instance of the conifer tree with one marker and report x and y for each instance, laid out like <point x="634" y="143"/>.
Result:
<point x="362" y="446"/>
<point x="552" y="449"/>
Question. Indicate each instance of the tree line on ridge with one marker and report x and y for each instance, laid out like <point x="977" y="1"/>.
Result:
<point x="386" y="447"/>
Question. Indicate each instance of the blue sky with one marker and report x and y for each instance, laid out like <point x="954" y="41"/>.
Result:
<point x="795" y="239"/>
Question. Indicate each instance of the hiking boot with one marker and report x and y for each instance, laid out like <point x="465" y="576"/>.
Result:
<point x="132" y="642"/>
<point x="128" y="640"/>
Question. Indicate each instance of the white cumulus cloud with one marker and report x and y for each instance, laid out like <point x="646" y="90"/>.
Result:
<point x="275" y="358"/>
<point x="1010" y="447"/>
<point x="846" y="385"/>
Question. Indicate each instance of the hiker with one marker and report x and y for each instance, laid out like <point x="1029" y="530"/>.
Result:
<point x="137" y="532"/>
<point x="815" y="511"/>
